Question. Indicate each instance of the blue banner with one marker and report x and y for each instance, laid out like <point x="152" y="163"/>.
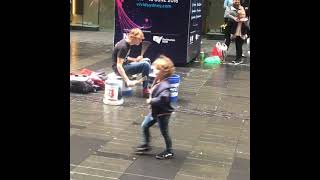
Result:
<point x="167" y="24"/>
<point x="195" y="25"/>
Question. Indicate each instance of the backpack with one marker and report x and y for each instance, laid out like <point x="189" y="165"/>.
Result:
<point x="82" y="87"/>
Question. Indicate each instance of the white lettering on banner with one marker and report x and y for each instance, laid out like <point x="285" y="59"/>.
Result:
<point x="197" y="36"/>
<point x="165" y="40"/>
<point x="159" y="0"/>
<point x="191" y="39"/>
<point x="124" y="35"/>
<point x="160" y="39"/>
<point x="165" y="1"/>
<point x="195" y="17"/>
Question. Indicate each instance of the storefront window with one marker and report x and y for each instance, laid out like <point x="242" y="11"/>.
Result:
<point x="85" y="13"/>
<point x="96" y="14"/>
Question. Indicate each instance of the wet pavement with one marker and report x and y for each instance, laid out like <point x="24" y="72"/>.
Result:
<point x="210" y="128"/>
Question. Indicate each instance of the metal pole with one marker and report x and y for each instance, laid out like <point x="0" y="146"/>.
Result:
<point x="98" y="10"/>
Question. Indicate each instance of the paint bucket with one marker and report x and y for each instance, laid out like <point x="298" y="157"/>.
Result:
<point x="113" y="92"/>
<point x="174" y="81"/>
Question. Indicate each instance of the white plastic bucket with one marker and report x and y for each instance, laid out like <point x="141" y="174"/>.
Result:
<point x="113" y="92"/>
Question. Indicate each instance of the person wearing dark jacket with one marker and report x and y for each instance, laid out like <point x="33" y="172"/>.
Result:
<point x="161" y="108"/>
<point x="232" y="14"/>
<point x="239" y="33"/>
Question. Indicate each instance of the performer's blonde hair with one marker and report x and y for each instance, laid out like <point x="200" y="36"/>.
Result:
<point x="136" y="33"/>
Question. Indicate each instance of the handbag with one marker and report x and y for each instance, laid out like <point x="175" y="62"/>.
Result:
<point x="219" y="50"/>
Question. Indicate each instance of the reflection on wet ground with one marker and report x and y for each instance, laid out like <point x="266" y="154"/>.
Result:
<point x="210" y="128"/>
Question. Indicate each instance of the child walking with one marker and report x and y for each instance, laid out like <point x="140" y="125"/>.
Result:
<point x="161" y="108"/>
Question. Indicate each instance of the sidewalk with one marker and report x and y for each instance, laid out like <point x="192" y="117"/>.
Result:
<point x="210" y="128"/>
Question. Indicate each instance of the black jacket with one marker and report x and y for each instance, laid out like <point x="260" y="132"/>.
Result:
<point x="160" y="99"/>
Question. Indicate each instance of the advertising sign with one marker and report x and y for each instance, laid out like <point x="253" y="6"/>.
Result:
<point x="168" y="24"/>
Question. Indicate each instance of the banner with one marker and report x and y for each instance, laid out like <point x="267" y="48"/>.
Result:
<point x="168" y="24"/>
<point x="195" y="25"/>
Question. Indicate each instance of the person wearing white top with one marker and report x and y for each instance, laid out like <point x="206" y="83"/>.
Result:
<point x="227" y="3"/>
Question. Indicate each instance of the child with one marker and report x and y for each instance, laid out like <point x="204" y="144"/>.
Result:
<point x="239" y="28"/>
<point x="161" y="108"/>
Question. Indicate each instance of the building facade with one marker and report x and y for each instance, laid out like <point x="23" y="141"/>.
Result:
<point x="92" y="14"/>
<point x="99" y="14"/>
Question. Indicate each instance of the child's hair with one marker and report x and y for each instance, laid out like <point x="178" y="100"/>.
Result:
<point x="136" y="32"/>
<point x="165" y="66"/>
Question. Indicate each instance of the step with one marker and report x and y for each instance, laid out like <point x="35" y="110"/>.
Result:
<point x="84" y="27"/>
<point x="215" y="36"/>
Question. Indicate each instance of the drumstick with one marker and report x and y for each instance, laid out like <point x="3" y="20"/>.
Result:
<point x="142" y="79"/>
